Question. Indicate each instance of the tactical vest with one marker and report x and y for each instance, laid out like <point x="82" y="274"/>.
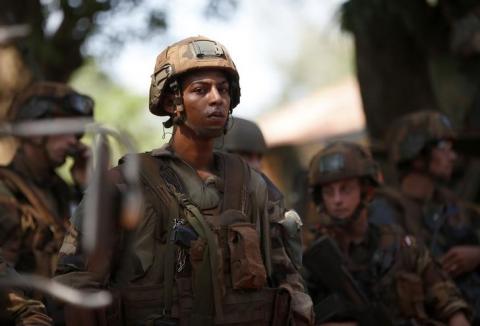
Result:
<point x="222" y="277"/>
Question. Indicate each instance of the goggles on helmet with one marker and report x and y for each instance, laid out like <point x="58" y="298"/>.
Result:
<point x="70" y="105"/>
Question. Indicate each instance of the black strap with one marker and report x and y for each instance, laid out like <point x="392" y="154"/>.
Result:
<point x="236" y="175"/>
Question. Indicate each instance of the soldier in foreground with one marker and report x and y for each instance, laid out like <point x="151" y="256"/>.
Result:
<point x="202" y="253"/>
<point x="422" y="151"/>
<point x="386" y="277"/>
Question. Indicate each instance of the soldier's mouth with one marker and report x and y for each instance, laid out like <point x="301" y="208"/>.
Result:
<point x="217" y="114"/>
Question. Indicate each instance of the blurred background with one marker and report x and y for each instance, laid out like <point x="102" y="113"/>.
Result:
<point x="310" y="71"/>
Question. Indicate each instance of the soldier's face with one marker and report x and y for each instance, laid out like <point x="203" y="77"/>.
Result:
<point x="206" y="98"/>
<point x="341" y="198"/>
<point x="442" y="160"/>
<point x="58" y="147"/>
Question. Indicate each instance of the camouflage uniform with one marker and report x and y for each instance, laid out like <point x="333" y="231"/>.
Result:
<point x="157" y="278"/>
<point x="393" y="270"/>
<point x="390" y="268"/>
<point x="29" y="242"/>
<point x="15" y="308"/>
<point x="441" y="221"/>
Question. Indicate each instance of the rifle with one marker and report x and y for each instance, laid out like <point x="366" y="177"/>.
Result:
<point x="325" y="261"/>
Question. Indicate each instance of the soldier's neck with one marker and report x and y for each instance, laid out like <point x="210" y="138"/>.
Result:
<point x="198" y="153"/>
<point x="418" y="186"/>
<point x="355" y="233"/>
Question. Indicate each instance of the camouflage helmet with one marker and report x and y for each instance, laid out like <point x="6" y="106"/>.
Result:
<point x="342" y="160"/>
<point x="412" y="133"/>
<point x="186" y="55"/>
<point x="50" y="99"/>
<point x="244" y="136"/>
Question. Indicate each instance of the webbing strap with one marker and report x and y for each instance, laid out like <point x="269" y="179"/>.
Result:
<point x="236" y="172"/>
<point x="209" y="280"/>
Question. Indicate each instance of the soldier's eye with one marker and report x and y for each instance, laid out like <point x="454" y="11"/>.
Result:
<point x="223" y="89"/>
<point x="327" y="192"/>
<point x="199" y="90"/>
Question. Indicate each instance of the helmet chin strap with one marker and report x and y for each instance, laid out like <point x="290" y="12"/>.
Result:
<point x="179" y="117"/>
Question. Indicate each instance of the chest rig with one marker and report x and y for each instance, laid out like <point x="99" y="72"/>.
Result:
<point x="216" y="259"/>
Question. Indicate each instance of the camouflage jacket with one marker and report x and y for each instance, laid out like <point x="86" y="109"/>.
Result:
<point x="32" y="217"/>
<point x="394" y="270"/>
<point x="15" y="308"/>
<point x="440" y="223"/>
<point x="136" y="266"/>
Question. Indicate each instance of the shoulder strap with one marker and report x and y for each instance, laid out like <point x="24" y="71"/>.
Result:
<point x="38" y="208"/>
<point x="237" y="174"/>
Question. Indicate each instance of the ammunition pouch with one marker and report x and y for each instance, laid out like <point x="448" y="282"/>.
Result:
<point x="246" y="266"/>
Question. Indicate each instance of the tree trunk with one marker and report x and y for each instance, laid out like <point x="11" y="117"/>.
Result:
<point x="393" y="74"/>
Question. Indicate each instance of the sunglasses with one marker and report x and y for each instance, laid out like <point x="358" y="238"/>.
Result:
<point x="69" y="105"/>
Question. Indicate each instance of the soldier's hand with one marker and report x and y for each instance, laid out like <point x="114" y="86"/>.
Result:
<point x="458" y="319"/>
<point x="461" y="259"/>
<point x="79" y="168"/>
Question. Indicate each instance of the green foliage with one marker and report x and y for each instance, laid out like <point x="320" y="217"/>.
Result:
<point x="118" y="107"/>
<point x="63" y="33"/>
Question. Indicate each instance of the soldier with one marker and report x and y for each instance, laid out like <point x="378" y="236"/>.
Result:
<point x="421" y="149"/>
<point x="202" y="252"/>
<point x="246" y="139"/>
<point x="389" y="268"/>
<point x="35" y="202"/>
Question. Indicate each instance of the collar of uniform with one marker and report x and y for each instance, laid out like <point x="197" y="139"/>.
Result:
<point x="370" y="239"/>
<point x="167" y="151"/>
<point x="216" y="180"/>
